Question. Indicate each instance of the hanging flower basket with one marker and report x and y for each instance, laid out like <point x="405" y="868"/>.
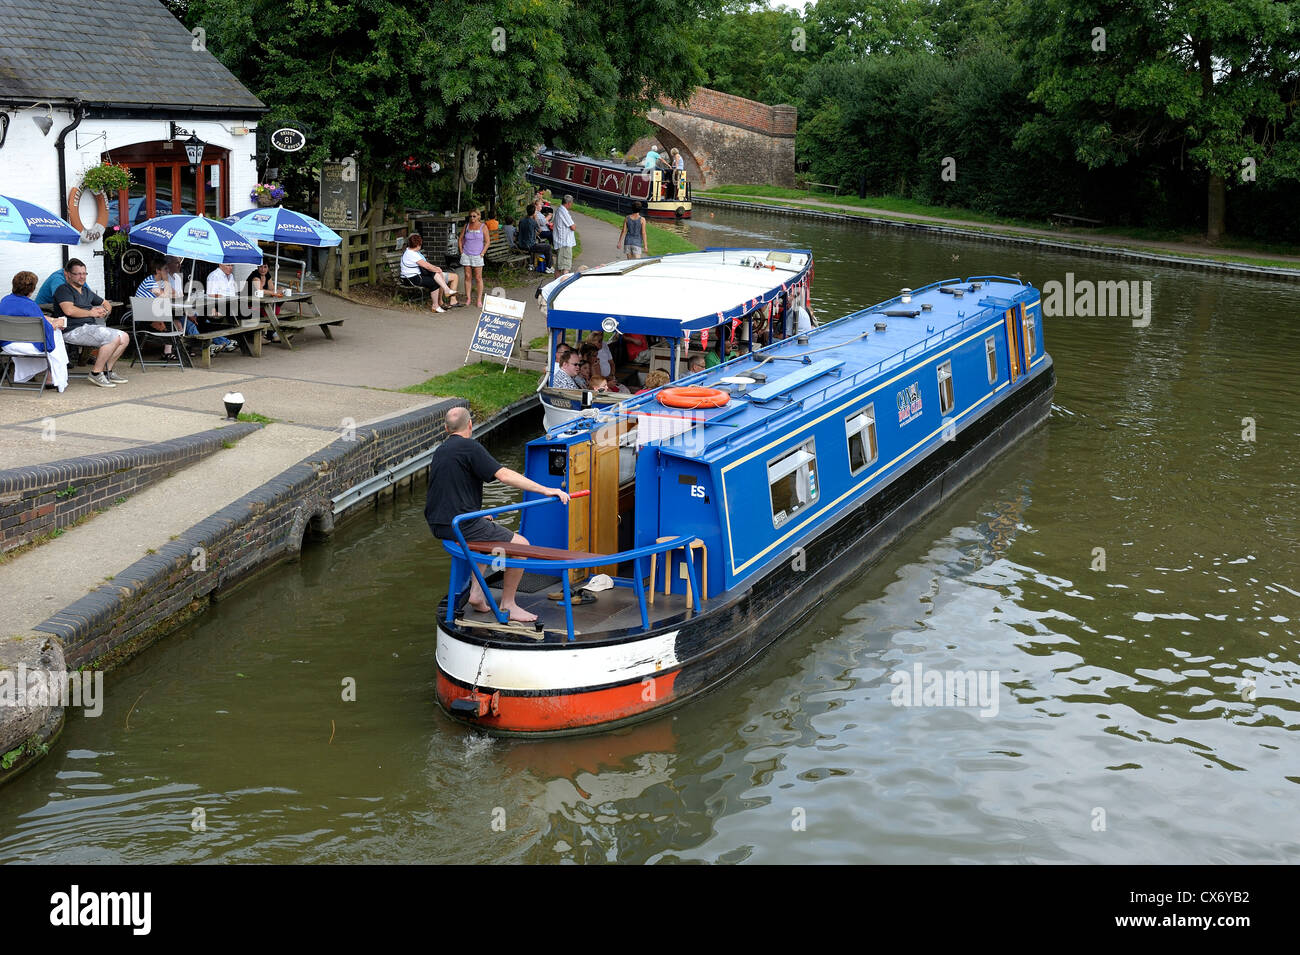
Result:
<point x="106" y="178"/>
<point x="267" y="194"/>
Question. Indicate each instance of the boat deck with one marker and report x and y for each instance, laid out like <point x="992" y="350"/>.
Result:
<point x="612" y="612"/>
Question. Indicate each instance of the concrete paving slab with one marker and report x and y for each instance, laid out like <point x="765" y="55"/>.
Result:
<point x="305" y="402"/>
<point x="21" y="446"/>
<point x="137" y="421"/>
<point x="47" y="578"/>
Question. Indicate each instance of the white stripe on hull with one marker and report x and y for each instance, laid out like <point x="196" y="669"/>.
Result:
<point x="555" y="669"/>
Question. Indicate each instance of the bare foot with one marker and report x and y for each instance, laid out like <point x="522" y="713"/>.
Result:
<point x="481" y="606"/>
<point x="518" y="614"/>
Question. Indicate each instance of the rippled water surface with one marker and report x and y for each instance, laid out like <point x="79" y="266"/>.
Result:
<point x="1126" y="577"/>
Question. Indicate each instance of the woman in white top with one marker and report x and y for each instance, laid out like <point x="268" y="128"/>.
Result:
<point x="418" y="269"/>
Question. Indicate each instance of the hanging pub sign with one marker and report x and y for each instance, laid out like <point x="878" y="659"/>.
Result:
<point x="288" y="140"/>
<point x="498" y="329"/>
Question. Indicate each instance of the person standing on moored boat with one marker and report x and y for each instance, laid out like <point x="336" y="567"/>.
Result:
<point x="457" y="472"/>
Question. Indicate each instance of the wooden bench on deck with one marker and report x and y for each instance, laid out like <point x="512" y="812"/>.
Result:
<point x="532" y="552"/>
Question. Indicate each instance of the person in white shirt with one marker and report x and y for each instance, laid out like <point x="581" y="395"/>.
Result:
<point x="222" y="285"/>
<point x="420" y="271"/>
<point x="565" y="236"/>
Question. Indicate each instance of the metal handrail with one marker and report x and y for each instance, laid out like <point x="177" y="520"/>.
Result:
<point x="548" y="566"/>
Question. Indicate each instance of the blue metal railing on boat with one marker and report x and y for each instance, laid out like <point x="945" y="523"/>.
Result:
<point x="462" y="557"/>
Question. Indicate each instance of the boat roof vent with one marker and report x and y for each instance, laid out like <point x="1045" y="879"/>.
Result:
<point x="881" y="326"/>
<point x="927" y="307"/>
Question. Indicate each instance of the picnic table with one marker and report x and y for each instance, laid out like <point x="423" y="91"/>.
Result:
<point x="286" y="328"/>
<point x="246" y="335"/>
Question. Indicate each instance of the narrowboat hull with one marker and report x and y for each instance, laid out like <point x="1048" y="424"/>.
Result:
<point x="608" y="185"/>
<point x="551" y="689"/>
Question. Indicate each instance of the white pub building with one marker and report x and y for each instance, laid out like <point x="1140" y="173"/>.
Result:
<point x="85" y="82"/>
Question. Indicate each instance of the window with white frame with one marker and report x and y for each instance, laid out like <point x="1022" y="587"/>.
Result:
<point x="991" y="354"/>
<point x="1031" y="346"/>
<point x="792" y="481"/>
<point x="946" y="399"/>
<point x="861" y="431"/>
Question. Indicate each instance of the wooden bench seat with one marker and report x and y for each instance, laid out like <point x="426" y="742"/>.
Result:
<point x="1065" y="219"/>
<point x="250" y="334"/>
<point x="530" y="551"/>
<point x="501" y="252"/>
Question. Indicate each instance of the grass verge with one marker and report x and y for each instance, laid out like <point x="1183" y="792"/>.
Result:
<point x="662" y="241"/>
<point x="483" y="384"/>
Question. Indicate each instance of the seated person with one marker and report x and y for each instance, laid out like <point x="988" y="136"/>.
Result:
<point x="604" y="362"/>
<point x="656" y="379"/>
<point x="157" y="284"/>
<point x="605" y="386"/>
<point x="420" y="271"/>
<point x="32" y="358"/>
<point x="511" y="233"/>
<point x="222" y="287"/>
<point x="696" y="364"/>
<point x="564" y="376"/>
<point x="636" y="346"/>
<point x="81" y="307"/>
<point x="45" y="296"/>
<point x="530" y="241"/>
<point x="259" y="280"/>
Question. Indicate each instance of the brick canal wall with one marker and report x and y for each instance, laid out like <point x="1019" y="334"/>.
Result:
<point x="161" y="591"/>
<point x="39" y="498"/>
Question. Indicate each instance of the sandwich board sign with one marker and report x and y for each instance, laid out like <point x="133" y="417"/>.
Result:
<point x="498" y="328"/>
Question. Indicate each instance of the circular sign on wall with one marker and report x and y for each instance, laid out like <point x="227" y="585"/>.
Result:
<point x="288" y="140"/>
<point x="469" y="167"/>
<point x="132" y="261"/>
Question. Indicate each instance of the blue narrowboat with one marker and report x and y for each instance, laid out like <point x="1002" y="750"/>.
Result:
<point x="710" y="517"/>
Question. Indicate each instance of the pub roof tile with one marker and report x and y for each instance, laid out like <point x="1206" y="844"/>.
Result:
<point x="44" y="55"/>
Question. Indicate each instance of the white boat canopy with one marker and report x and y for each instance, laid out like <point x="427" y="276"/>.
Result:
<point x="673" y="295"/>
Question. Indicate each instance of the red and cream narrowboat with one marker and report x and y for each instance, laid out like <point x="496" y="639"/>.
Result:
<point x="663" y="193"/>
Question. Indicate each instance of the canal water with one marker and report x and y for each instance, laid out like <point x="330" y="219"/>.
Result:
<point x="1125" y="581"/>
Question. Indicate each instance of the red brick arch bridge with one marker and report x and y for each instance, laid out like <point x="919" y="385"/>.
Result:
<point x="725" y="138"/>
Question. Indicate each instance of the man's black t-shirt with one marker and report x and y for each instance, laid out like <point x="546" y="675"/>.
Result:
<point x="84" y="298"/>
<point x="457" y="473"/>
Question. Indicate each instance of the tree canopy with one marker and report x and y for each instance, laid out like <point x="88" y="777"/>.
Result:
<point x="383" y="80"/>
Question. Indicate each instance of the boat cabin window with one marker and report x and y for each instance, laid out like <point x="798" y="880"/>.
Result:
<point x="568" y="173"/>
<point x="792" y="480"/>
<point x="991" y="352"/>
<point x="861" y="430"/>
<point x="946" y="400"/>
<point x="1031" y="346"/>
<point x="586" y="176"/>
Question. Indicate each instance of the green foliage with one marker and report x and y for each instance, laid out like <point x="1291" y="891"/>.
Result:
<point x="382" y="80"/>
<point x="663" y="240"/>
<point x="11" y="757"/>
<point x="255" y="417"/>
<point x="67" y="492"/>
<point x="1201" y="83"/>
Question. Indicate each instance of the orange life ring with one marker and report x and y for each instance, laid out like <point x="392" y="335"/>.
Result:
<point x="74" y="213"/>
<point x="692" y="396"/>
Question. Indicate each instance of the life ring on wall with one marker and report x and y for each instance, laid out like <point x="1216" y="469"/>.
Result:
<point x="692" y="396"/>
<point x="101" y="214"/>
